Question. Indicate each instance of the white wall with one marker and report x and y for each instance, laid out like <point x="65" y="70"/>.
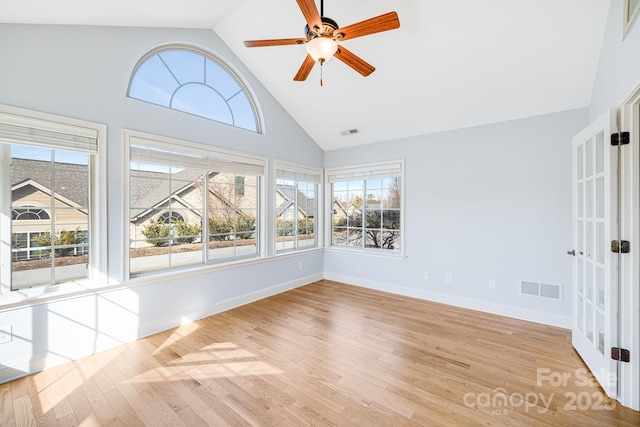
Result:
<point x="484" y="203"/>
<point x="83" y="73"/>
<point x="619" y="63"/>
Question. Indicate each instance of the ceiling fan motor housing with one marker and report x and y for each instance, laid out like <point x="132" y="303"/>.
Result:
<point x="329" y="26"/>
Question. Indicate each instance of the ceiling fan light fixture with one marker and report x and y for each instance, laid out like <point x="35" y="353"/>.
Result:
<point x="322" y="48"/>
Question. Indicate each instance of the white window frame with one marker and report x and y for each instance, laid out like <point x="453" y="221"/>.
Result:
<point x="217" y="59"/>
<point x="304" y="172"/>
<point x="629" y="16"/>
<point x="55" y="132"/>
<point x="132" y="137"/>
<point x="362" y="172"/>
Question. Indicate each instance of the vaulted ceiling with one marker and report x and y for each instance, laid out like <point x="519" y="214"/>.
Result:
<point x="451" y="64"/>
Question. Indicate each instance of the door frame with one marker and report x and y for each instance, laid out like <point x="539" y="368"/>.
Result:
<point x="629" y="292"/>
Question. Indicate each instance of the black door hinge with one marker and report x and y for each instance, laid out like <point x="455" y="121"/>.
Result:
<point x="621" y="138"/>
<point x="621" y="354"/>
<point x="620" y="246"/>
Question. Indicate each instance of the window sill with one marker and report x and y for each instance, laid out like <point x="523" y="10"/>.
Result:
<point x="294" y="252"/>
<point x="44" y="294"/>
<point x="367" y="253"/>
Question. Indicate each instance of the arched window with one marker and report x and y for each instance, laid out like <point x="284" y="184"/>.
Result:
<point x="28" y="212"/>
<point x="169" y="218"/>
<point x="186" y="79"/>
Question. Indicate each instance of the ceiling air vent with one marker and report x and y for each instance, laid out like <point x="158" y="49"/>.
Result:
<point x="349" y="132"/>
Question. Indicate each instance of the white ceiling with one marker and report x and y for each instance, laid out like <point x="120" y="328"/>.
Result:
<point x="451" y="64"/>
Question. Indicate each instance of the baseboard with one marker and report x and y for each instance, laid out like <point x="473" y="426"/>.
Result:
<point x="179" y="319"/>
<point x="456" y="301"/>
<point x="47" y="360"/>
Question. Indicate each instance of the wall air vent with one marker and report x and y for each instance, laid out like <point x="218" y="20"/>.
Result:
<point x="350" y="132"/>
<point x="541" y="290"/>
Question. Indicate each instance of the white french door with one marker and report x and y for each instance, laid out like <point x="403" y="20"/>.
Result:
<point x="595" y="265"/>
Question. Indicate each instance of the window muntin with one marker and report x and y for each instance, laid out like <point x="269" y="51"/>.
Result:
<point x="25" y="213"/>
<point x="170" y="217"/>
<point x="296" y="216"/>
<point x="188" y="80"/>
<point x="366" y="209"/>
<point x="196" y="183"/>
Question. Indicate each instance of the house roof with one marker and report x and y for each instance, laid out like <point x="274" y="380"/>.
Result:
<point x="305" y="204"/>
<point x="67" y="183"/>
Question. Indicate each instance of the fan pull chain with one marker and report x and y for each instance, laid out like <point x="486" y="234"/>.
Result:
<point x="321" y="63"/>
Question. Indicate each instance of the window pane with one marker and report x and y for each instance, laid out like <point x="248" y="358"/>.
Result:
<point x="50" y="216"/>
<point x="202" y="101"/>
<point x="191" y="82"/>
<point x="600" y="331"/>
<point x="153" y="82"/>
<point x="589" y="158"/>
<point x="600" y="152"/>
<point x="186" y="67"/>
<point x="367" y="214"/>
<point x="589" y="198"/>
<point x="220" y="78"/>
<point x="243" y="114"/>
<point x="580" y="161"/>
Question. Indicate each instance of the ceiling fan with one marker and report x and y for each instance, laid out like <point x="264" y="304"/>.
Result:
<point x="322" y="34"/>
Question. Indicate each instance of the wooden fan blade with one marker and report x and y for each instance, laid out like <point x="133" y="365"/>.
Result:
<point x="310" y="12"/>
<point x="386" y="22"/>
<point x="305" y="69"/>
<point x="274" y="42"/>
<point x="354" y="61"/>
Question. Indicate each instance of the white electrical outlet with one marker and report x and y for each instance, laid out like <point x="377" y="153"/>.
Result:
<point x="427" y="275"/>
<point x="300" y="265"/>
<point x="5" y="334"/>
<point x="492" y="284"/>
<point x="448" y="278"/>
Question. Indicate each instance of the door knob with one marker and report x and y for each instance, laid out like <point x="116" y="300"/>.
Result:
<point x="572" y="252"/>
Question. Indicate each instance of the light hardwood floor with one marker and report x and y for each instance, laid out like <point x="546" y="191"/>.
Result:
<point x="325" y="354"/>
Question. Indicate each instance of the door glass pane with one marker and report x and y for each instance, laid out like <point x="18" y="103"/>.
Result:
<point x="589" y="197"/>
<point x="600" y="287"/>
<point x="580" y="200"/>
<point x="589" y="158"/>
<point x="600" y="152"/>
<point x="580" y="230"/>
<point x="600" y="331"/>
<point x="580" y="163"/>
<point x="580" y="313"/>
<point x="600" y="197"/>
<point x="589" y="325"/>
<point x="589" y="276"/>
<point x="580" y="275"/>
<point x="589" y="240"/>
<point x="600" y="242"/>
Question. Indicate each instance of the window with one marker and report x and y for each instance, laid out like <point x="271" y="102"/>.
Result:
<point x="46" y="186"/>
<point x="170" y="217"/>
<point x="631" y="11"/>
<point x="366" y="210"/>
<point x="24" y="213"/>
<point x="186" y="79"/>
<point x="184" y="206"/>
<point x="296" y="207"/>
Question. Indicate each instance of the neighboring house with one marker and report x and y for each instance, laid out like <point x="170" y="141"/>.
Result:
<point x="32" y="205"/>
<point x="181" y="199"/>
<point x="285" y="202"/>
<point x="36" y="209"/>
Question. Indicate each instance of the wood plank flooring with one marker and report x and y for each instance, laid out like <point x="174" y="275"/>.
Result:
<point x="321" y="355"/>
